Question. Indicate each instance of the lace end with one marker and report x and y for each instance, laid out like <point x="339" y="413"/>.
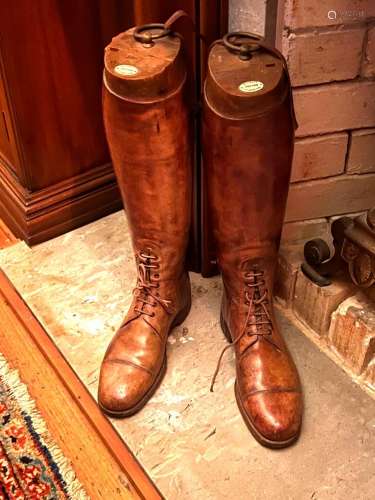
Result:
<point x="212" y="385"/>
<point x="218" y="366"/>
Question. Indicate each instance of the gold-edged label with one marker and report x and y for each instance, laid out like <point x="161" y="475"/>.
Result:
<point x="250" y="86"/>
<point x="126" y="70"/>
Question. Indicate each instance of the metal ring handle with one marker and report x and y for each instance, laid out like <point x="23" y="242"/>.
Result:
<point x="149" y="37"/>
<point x="243" y="49"/>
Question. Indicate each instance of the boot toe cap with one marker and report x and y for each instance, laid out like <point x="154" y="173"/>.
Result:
<point x="275" y="416"/>
<point x="122" y="389"/>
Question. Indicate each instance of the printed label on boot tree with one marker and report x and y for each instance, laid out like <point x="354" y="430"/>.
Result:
<point x="126" y="70"/>
<point x="251" y="86"/>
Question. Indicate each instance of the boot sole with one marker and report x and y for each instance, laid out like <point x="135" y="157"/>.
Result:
<point x="268" y="443"/>
<point x="180" y="318"/>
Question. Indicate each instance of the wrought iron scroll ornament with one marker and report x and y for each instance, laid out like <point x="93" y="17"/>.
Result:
<point x="354" y="247"/>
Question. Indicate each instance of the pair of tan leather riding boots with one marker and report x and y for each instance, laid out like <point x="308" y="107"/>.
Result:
<point x="248" y="133"/>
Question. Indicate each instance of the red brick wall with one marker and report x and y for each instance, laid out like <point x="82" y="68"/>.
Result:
<point x="330" y="49"/>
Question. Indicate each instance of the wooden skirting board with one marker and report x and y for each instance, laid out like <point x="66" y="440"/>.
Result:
<point x="103" y="463"/>
<point x="42" y="215"/>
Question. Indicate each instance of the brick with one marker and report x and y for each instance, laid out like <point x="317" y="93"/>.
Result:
<point x="368" y="67"/>
<point x="352" y="333"/>
<point x="334" y="107"/>
<point x="289" y="263"/>
<point x="333" y="196"/>
<point x="314" y="305"/>
<point x="324" y="57"/>
<point x="304" y="13"/>
<point x="316" y="157"/>
<point x="302" y="231"/>
<point x="361" y="158"/>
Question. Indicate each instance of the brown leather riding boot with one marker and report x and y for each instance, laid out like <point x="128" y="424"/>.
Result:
<point x="146" y="125"/>
<point x="248" y="146"/>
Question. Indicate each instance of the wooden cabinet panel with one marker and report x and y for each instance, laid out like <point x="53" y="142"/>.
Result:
<point x="55" y="170"/>
<point x="8" y="150"/>
<point x="52" y="51"/>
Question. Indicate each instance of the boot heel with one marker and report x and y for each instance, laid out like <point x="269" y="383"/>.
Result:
<point x="225" y="328"/>
<point x="181" y="316"/>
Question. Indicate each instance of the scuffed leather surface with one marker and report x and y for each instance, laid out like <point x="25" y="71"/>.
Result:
<point x="150" y="152"/>
<point x="247" y="167"/>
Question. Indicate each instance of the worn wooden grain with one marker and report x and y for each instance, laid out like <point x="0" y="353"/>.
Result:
<point x="7" y="238"/>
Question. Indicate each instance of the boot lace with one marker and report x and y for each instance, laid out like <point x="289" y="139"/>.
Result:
<point x="147" y="282"/>
<point x="258" y="322"/>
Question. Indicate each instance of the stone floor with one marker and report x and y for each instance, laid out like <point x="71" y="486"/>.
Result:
<point x="192" y="442"/>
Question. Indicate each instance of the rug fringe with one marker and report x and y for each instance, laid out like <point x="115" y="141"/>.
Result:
<point x="18" y="390"/>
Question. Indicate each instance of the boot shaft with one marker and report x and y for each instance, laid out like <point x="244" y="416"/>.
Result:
<point x="248" y="134"/>
<point x="146" y="123"/>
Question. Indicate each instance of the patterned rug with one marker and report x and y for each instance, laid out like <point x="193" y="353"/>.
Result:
<point x="31" y="465"/>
